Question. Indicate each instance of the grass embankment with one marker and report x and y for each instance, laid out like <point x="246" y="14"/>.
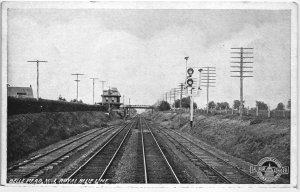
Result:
<point x="29" y="132"/>
<point x="249" y="139"/>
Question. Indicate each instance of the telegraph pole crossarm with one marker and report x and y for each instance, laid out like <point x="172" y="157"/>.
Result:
<point x="207" y="80"/>
<point x="240" y="64"/>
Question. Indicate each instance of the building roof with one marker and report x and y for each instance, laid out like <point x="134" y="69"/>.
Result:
<point x="111" y="92"/>
<point x="19" y="91"/>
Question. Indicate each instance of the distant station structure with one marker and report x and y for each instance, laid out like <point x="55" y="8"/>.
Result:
<point x="111" y="98"/>
<point x="19" y="92"/>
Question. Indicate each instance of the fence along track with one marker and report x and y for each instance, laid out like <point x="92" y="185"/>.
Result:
<point x="27" y="169"/>
<point x="221" y="168"/>
<point x="98" y="164"/>
<point x="154" y="173"/>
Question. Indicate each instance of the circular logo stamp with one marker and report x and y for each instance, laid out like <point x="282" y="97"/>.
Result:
<point x="269" y="169"/>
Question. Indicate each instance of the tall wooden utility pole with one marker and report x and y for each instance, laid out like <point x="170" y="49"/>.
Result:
<point x="180" y="102"/>
<point x="167" y="97"/>
<point x="181" y="89"/>
<point x="174" y="91"/>
<point x="93" y="89"/>
<point x="102" y="85"/>
<point x="37" y="76"/>
<point x="207" y="80"/>
<point x="177" y="92"/>
<point x="129" y="106"/>
<point x="170" y="97"/>
<point x="102" y="91"/>
<point x="77" y="80"/>
<point x="243" y="54"/>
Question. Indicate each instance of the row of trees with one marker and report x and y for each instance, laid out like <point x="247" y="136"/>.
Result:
<point x="185" y="103"/>
<point x="236" y="104"/>
<point x="60" y="98"/>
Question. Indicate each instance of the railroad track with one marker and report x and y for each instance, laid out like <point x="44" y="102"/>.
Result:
<point x="216" y="169"/>
<point x="98" y="165"/>
<point x="156" y="167"/>
<point x="34" y="166"/>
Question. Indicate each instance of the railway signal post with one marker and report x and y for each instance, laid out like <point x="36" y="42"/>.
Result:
<point x="242" y="63"/>
<point x="189" y="82"/>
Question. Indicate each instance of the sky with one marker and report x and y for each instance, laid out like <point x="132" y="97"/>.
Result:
<point x="141" y="52"/>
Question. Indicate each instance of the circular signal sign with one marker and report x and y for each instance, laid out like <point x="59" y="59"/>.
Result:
<point x="190" y="71"/>
<point x="190" y="82"/>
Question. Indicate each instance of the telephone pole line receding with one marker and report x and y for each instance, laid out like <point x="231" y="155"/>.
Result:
<point x="93" y="89"/>
<point x="77" y="80"/>
<point x="207" y="80"/>
<point x="37" y="76"/>
<point x="243" y="53"/>
<point x="174" y="91"/>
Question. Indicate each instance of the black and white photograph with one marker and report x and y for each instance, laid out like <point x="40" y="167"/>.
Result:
<point x="192" y="94"/>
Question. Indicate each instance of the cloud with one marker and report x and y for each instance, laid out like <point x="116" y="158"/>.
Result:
<point x="142" y="51"/>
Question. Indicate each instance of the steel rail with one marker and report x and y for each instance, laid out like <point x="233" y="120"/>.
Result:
<point x="238" y="169"/>
<point x="98" y="151"/>
<point x="204" y="163"/>
<point x="60" y="156"/>
<point x="113" y="157"/>
<point x="144" y="155"/>
<point x="51" y="151"/>
<point x="165" y="158"/>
